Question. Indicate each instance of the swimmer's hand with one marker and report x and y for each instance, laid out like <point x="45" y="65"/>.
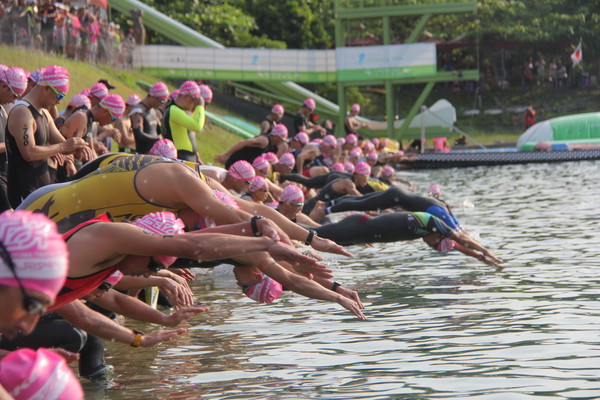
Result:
<point x="153" y="338"/>
<point x="67" y="355"/>
<point x="350" y="294"/>
<point x="490" y="261"/>
<point x="329" y="246"/>
<point x="181" y="315"/>
<point x="271" y="230"/>
<point x="302" y="264"/>
<point x="351" y="305"/>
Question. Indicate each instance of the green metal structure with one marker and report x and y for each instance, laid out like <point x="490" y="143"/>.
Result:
<point x="348" y="10"/>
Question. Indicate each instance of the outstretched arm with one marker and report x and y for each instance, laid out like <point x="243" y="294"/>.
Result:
<point x="466" y="241"/>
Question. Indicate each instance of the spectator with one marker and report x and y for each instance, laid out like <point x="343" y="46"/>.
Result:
<point x="529" y="117"/>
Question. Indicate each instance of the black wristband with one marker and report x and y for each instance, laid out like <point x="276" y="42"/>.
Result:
<point x="254" y="226"/>
<point x="309" y="238"/>
<point x="335" y="286"/>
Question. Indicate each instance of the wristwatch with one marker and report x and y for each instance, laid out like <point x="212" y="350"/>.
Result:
<point x="137" y="340"/>
<point x="254" y="226"/>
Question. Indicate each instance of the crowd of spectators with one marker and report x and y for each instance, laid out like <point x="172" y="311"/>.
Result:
<point x="74" y="31"/>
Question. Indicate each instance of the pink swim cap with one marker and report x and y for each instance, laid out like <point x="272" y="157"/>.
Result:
<point x="445" y="245"/>
<point x="37" y="75"/>
<point x="164" y="148"/>
<point x="271" y="157"/>
<point x="351" y="138"/>
<point x="38" y="252"/>
<point x="302" y="137"/>
<point x="375" y="141"/>
<point x="174" y="94"/>
<point x="206" y="93"/>
<point x="278" y="110"/>
<point x="355" y="108"/>
<point x="161" y="223"/>
<point x="368" y="147"/>
<point x="258" y="183"/>
<point x="310" y="103"/>
<point x="86" y="92"/>
<point x="280" y="130"/>
<point x="356" y="152"/>
<point x="349" y="167"/>
<point x="133" y="100"/>
<point x="242" y="170"/>
<point x="99" y="90"/>
<point x="291" y="194"/>
<point x="80" y="100"/>
<point x="39" y="374"/>
<point x="261" y="164"/>
<point x="55" y="76"/>
<point x="330" y="140"/>
<point x="266" y="291"/>
<point x="388" y="171"/>
<point x="16" y="79"/>
<point x="113" y="103"/>
<point x="372" y="156"/>
<point x="337" y="167"/>
<point x="341" y="141"/>
<point x="190" y="88"/>
<point x="3" y="67"/>
<point x="434" y="190"/>
<point x="159" y="90"/>
<point x="362" y="168"/>
<point x="288" y="160"/>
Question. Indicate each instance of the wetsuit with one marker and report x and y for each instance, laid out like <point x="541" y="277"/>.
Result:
<point x="271" y="125"/>
<point x="249" y="153"/>
<point x="299" y="121"/>
<point x="395" y="197"/>
<point x="328" y="193"/>
<point x="393" y="227"/>
<point x="23" y="176"/>
<point x="180" y="127"/>
<point x="145" y="139"/>
<point x="77" y="287"/>
<point x="109" y="188"/>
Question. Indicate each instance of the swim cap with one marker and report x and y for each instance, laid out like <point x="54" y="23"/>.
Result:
<point x="258" y="183"/>
<point x="356" y="152"/>
<point x="174" y="94"/>
<point x="302" y="137"/>
<point x="445" y="245"/>
<point x="164" y="148"/>
<point x="36" y="75"/>
<point x="113" y="103"/>
<point x="16" y="79"/>
<point x="114" y="278"/>
<point x="261" y="165"/>
<point x="400" y="152"/>
<point x="351" y="138"/>
<point x="265" y="291"/>
<point x="38" y="252"/>
<point x="330" y="140"/>
<point x="355" y="108"/>
<point x="278" y="110"/>
<point x="161" y="223"/>
<point x="80" y="100"/>
<point x="55" y="76"/>
<point x="190" y="88"/>
<point x="362" y="168"/>
<point x="86" y="92"/>
<point x="133" y="100"/>
<point x="383" y="143"/>
<point x="372" y="156"/>
<point x="375" y="141"/>
<point x="317" y="140"/>
<point x="99" y="90"/>
<point x="388" y="171"/>
<point x="341" y="141"/>
<point x="369" y="146"/>
<point x="39" y="374"/>
<point x="206" y="93"/>
<point x="3" y="67"/>
<point x="434" y="190"/>
<point x="291" y="194"/>
<point x="337" y="167"/>
<point x="242" y="170"/>
<point x="310" y="103"/>
<point x="288" y="160"/>
<point x="280" y="130"/>
<point x="159" y="90"/>
<point x="271" y="157"/>
<point x="349" y="167"/>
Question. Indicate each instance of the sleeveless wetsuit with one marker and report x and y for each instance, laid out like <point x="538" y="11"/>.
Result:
<point x="145" y="139"/>
<point x="77" y="287"/>
<point x="395" y="197"/>
<point x="360" y="228"/>
<point x="249" y="153"/>
<point x="180" y="128"/>
<point x="109" y="188"/>
<point x="23" y="177"/>
<point x="271" y="125"/>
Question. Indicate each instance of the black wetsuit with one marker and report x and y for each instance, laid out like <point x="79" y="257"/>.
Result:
<point x="271" y="125"/>
<point x="395" y="197"/>
<point x="250" y="153"/>
<point x="328" y="193"/>
<point x="393" y="227"/>
<point x="145" y="139"/>
<point x="23" y="177"/>
<point x="299" y="121"/>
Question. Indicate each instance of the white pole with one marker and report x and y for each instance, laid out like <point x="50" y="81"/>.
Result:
<point x="423" y="109"/>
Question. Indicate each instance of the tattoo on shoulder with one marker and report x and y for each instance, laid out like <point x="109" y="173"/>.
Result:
<point x="25" y="135"/>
